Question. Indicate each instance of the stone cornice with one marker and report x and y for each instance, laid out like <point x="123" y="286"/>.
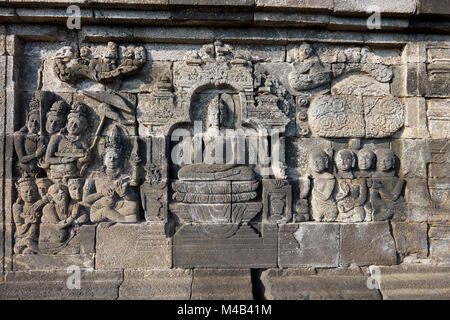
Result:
<point x="408" y="16"/>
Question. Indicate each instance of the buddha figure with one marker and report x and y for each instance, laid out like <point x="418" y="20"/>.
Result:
<point x="352" y="193"/>
<point x="67" y="151"/>
<point x="386" y="189"/>
<point x="323" y="205"/>
<point x="27" y="142"/>
<point x="26" y="217"/>
<point x="214" y="172"/>
<point x="111" y="195"/>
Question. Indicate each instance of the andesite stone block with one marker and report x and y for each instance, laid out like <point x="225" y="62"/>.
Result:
<point x="222" y="284"/>
<point x="366" y="244"/>
<point x="410" y="238"/>
<point x="53" y="285"/>
<point x="160" y="284"/>
<point x="285" y="284"/>
<point x="251" y="246"/>
<point x="123" y="246"/>
<point x="414" y="282"/>
<point x="308" y="244"/>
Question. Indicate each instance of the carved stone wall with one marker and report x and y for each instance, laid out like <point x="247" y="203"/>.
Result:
<point x="332" y="143"/>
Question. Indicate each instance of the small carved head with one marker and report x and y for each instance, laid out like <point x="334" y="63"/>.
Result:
<point x="76" y="120"/>
<point x="28" y="190"/>
<point x="366" y="159"/>
<point x="85" y="52"/>
<point x="43" y="184"/>
<point x="75" y="187"/>
<point x="111" y="158"/>
<point x="65" y="53"/>
<point x="111" y="52"/>
<point x="59" y="193"/>
<point x="56" y="117"/>
<point x="345" y="160"/>
<point x="128" y="52"/>
<point x="318" y="161"/>
<point x="385" y="160"/>
<point x="304" y="51"/>
<point x="112" y="154"/>
<point x="33" y="117"/>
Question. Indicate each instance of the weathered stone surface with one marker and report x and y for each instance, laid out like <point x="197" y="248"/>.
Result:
<point x="170" y="284"/>
<point x="52" y="285"/>
<point x="415" y="119"/>
<point x="252" y="246"/>
<point x="132" y="246"/>
<point x="308" y="244"/>
<point x="415" y="282"/>
<point x="439" y="250"/>
<point x="386" y="7"/>
<point x="299" y="285"/>
<point x="438" y="118"/>
<point x="415" y="156"/>
<point x="367" y="243"/>
<point x="418" y="198"/>
<point x="51" y="262"/>
<point x="433" y="7"/>
<point x="2" y="40"/>
<point x="324" y="5"/>
<point x="410" y="238"/>
<point x="222" y="284"/>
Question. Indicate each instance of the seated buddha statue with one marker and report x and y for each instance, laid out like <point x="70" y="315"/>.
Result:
<point x="213" y="180"/>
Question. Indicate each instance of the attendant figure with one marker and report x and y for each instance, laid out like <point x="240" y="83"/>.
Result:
<point x="386" y="189"/>
<point x="366" y="161"/>
<point x="26" y="217"/>
<point x="67" y="151"/>
<point x="113" y="199"/>
<point x="27" y="142"/>
<point x="323" y="205"/>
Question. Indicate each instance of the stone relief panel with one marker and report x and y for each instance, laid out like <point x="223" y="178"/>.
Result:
<point x="103" y="153"/>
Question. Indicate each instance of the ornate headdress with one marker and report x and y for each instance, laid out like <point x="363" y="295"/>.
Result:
<point x="58" y="108"/>
<point x="78" y="109"/>
<point x="33" y="107"/>
<point x="113" y="140"/>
